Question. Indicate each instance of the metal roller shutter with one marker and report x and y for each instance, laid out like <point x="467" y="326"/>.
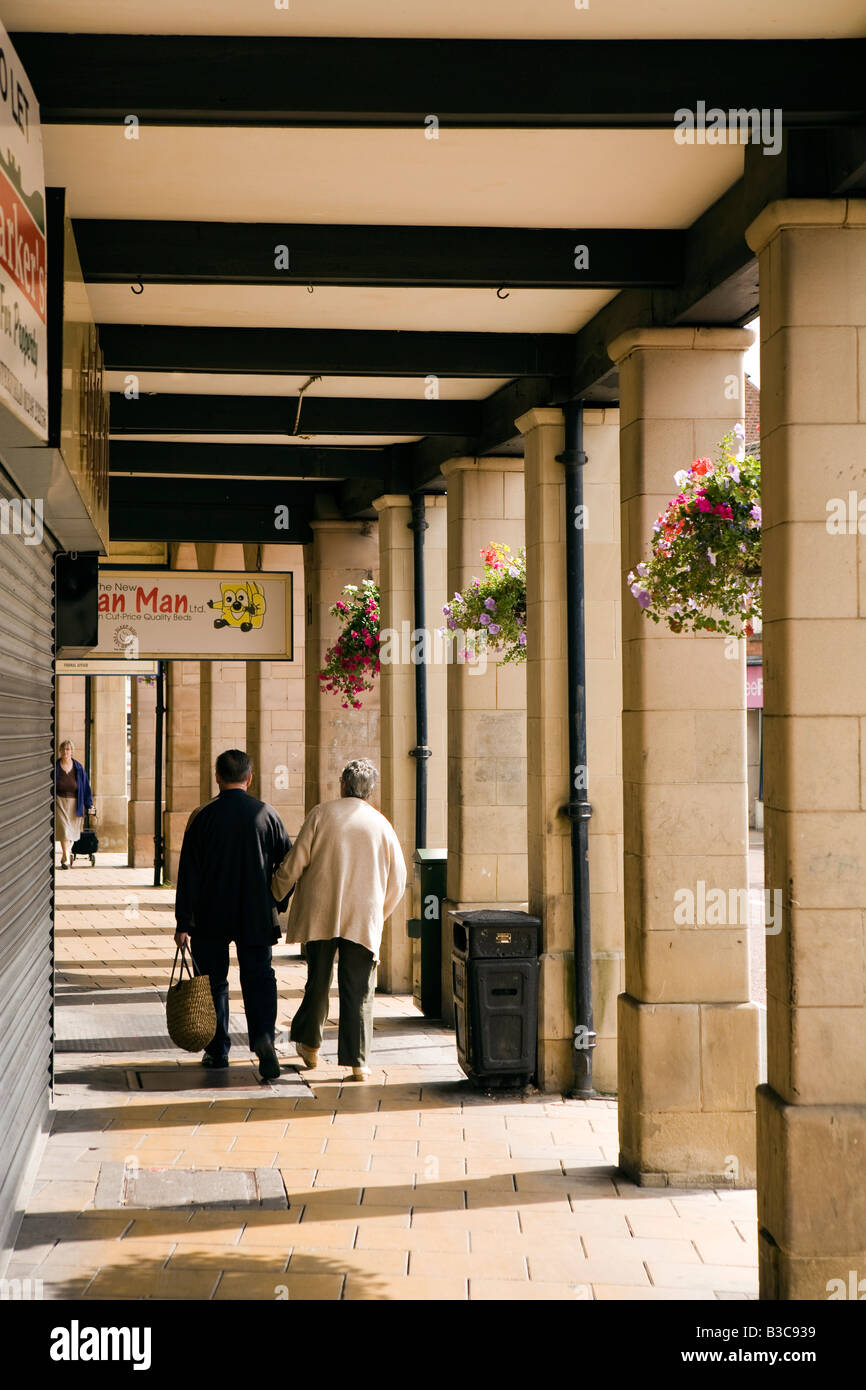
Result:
<point x="26" y="852"/>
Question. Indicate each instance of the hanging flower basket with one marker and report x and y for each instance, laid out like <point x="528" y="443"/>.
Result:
<point x="352" y="663"/>
<point x="495" y="605"/>
<point x="705" y="568"/>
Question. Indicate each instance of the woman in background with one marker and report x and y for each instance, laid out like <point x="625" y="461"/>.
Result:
<point x="72" y="797"/>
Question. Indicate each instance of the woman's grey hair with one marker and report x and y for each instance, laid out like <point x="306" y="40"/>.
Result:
<point x="359" y="777"/>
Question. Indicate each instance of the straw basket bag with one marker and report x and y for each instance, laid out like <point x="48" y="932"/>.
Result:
<point x="189" y="1009"/>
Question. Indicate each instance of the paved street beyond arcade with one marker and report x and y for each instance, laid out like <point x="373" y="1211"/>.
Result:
<point x="158" y="1184"/>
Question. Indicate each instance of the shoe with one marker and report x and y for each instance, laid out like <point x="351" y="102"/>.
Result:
<point x="63" y="865"/>
<point x="360" y="1073"/>
<point x="269" y="1062"/>
<point x="214" y="1063"/>
<point x="308" y="1055"/>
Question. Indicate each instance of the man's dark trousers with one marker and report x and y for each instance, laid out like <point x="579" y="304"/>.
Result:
<point x="258" y="987"/>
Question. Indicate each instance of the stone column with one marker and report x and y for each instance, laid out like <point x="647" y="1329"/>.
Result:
<point x="275" y="706"/>
<point x="688" y="1035"/>
<point x="182" y="736"/>
<point x="341" y="552"/>
<point x="812" y="1111"/>
<point x="223" y="717"/>
<point x="108" y="762"/>
<point x="69" y="713"/>
<point x="549" y="831"/>
<point x="487" y="862"/>
<point x="182" y="757"/>
<point x="223" y="704"/>
<point x="143" y="751"/>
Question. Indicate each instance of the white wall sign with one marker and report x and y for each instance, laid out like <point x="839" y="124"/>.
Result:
<point x="103" y="666"/>
<point x="193" y="614"/>
<point x="23" y="286"/>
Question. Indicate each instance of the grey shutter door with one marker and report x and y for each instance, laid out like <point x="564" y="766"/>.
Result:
<point x="26" y="851"/>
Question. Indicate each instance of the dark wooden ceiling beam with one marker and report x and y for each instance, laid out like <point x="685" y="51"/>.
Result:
<point x="155" y="458"/>
<point x="167" y="413"/>
<point x="117" y="252"/>
<point x="183" y="509"/>
<point x="332" y="352"/>
<point x="234" y="80"/>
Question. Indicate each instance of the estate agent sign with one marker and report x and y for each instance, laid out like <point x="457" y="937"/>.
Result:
<point x="23" y="285"/>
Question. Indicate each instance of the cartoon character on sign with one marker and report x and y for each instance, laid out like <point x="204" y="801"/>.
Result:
<point x="241" y="605"/>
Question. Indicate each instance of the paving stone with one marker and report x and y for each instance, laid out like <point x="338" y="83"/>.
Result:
<point x="402" y="1290"/>
<point x="602" y="1247"/>
<point x="373" y="1235"/>
<point x="734" y="1278"/>
<point x="431" y="1264"/>
<point x="363" y="1261"/>
<point x="498" y="1290"/>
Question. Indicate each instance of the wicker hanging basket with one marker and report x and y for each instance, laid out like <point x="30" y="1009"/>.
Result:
<point x="189" y="1007"/>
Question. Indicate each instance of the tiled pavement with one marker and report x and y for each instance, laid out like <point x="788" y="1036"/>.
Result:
<point x="410" y="1187"/>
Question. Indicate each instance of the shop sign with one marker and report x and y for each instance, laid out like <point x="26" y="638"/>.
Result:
<point x="23" y="283"/>
<point x="191" y="614"/>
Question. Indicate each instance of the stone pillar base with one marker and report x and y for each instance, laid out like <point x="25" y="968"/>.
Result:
<point x="687" y="1083"/>
<point x="173" y="826"/>
<point x="112" y="825"/>
<point x="141" y="834"/>
<point x="812" y="1201"/>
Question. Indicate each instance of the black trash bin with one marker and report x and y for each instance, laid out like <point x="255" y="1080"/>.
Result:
<point x="494" y="972"/>
<point x="431" y="866"/>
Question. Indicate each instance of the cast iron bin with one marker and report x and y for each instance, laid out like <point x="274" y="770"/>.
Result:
<point x="494" y="972"/>
<point x="430" y="867"/>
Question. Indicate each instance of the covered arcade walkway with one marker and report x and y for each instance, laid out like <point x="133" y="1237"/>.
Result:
<point x="413" y="1186"/>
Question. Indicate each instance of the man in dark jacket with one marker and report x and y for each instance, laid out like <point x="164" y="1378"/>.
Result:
<point x="231" y="848"/>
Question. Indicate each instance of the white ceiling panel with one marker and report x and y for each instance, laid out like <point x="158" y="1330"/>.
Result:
<point x="509" y="178"/>
<point x="291" y="306"/>
<point x="394" y="388"/>
<point x="342" y="441"/>
<point x="494" y="19"/>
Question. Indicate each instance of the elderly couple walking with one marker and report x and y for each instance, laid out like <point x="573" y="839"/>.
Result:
<point x="238" y="869"/>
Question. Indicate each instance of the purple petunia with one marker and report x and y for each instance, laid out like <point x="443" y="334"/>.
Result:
<point x="493" y="629"/>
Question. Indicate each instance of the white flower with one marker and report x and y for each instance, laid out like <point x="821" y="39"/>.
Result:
<point x="681" y="477"/>
<point x="711" y="556"/>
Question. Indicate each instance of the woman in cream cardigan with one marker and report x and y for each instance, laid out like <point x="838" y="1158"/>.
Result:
<point x="348" y="873"/>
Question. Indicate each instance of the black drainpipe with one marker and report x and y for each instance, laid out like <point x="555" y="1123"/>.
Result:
<point x="578" y="809"/>
<point x="421" y="752"/>
<point x="158" y="841"/>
